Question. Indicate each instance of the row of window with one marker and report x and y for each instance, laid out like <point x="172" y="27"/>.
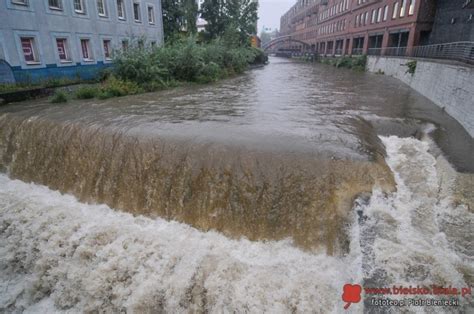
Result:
<point x="381" y="14"/>
<point x="335" y="9"/>
<point x="32" y="57"/>
<point x="332" y="28"/>
<point x="102" y="8"/>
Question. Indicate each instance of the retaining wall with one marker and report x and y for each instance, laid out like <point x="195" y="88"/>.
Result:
<point x="448" y="85"/>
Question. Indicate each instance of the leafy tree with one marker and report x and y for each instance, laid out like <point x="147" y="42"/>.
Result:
<point x="190" y="11"/>
<point x="172" y="17"/>
<point x="213" y="11"/>
<point x="179" y="16"/>
<point x="228" y="15"/>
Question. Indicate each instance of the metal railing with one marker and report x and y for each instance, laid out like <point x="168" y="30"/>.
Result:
<point x="388" y="51"/>
<point x="460" y="51"/>
<point x="374" y="51"/>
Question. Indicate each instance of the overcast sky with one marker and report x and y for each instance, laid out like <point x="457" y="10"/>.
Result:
<point x="270" y="11"/>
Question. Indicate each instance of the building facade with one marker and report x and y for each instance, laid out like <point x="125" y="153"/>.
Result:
<point x="346" y="27"/>
<point x="454" y="21"/>
<point x="41" y="39"/>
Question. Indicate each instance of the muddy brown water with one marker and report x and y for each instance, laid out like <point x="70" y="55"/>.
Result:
<point x="278" y="152"/>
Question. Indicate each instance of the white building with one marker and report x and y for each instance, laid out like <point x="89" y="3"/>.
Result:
<point x="40" y="39"/>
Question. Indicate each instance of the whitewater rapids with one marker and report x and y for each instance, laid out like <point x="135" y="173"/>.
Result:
<point x="60" y="255"/>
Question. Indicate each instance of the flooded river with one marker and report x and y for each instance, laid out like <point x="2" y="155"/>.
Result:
<point x="264" y="192"/>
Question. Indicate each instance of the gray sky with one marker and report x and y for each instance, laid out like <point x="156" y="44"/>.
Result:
<point x="270" y="11"/>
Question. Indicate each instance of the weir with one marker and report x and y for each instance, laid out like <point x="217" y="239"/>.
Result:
<point x="258" y="194"/>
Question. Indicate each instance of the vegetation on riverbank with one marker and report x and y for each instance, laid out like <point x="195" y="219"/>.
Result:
<point x="357" y="63"/>
<point x="145" y="69"/>
<point x="138" y="69"/>
<point x="223" y="49"/>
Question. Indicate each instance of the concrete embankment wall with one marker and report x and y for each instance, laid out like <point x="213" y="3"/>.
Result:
<point x="450" y="86"/>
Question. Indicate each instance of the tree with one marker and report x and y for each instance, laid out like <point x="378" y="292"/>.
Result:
<point x="240" y="15"/>
<point x="213" y="11"/>
<point x="172" y="17"/>
<point x="179" y="16"/>
<point x="190" y="10"/>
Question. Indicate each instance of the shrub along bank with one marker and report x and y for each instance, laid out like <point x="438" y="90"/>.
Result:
<point x="357" y="63"/>
<point x="137" y="69"/>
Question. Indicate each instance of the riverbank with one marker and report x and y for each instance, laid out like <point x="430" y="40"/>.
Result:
<point x="140" y="69"/>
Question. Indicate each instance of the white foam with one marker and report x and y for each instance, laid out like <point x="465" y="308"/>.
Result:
<point x="57" y="254"/>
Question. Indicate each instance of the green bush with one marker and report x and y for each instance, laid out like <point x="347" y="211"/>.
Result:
<point x="184" y="60"/>
<point x="356" y="63"/>
<point x="411" y="67"/>
<point x="114" y="87"/>
<point x="87" y="92"/>
<point x="59" y="97"/>
<point x="210" y="72"/>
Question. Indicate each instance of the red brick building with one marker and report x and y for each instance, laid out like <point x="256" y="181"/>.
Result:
<point x="337" y="27"/>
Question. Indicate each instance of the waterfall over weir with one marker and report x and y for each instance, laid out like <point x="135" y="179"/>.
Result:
<point x="62" y="255"/>
<point x="241" y="192"/>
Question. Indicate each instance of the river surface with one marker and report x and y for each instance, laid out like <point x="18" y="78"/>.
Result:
<point x="264" y="192"/>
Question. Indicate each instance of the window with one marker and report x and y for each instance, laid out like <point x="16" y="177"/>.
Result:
<point x="366" y="18"/>
<point x="395" y="10"/>
<point x="101" y="8"/>
<point x="121" y="9"/>
<point x="379" y="16"/>
<point x="385" y="13"/>
<point x="55" y="4"/>
<point x="374" y="16"/>
<point x="403" y="8"/>
<point x="86" y="50"/>
<point x="63" y="50"/>
<point x="79" y="6"/>
<point x="29" y="50"/>
<point x="411" y="10"/>
<point x="136" y="12"/>
<point x="151" y="15"/>
<point x="21" y="2"/>
<point x="107" y="50"/>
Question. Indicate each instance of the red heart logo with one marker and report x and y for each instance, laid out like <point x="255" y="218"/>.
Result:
<point x="351" y="294"/>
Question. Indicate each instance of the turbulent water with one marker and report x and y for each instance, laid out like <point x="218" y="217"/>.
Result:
<point x="61" y="255"/>
<point x="263" y="193"/>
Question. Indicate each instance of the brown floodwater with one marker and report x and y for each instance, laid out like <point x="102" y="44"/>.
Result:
<point x="278" y="152"/>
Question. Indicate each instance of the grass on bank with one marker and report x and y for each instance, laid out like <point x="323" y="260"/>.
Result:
<point x="59" y="97"/>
